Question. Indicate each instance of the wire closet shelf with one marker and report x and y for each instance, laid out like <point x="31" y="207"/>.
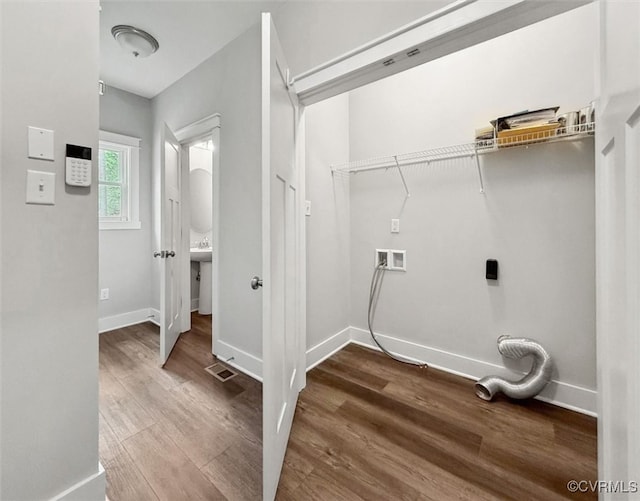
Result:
<point x="480" y="147"/>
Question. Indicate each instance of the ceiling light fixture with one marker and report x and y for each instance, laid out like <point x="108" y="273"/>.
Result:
<point x="134" y="40"/>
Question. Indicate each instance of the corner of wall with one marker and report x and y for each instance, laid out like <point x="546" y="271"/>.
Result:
<point x="1" y="204"/>
<point x="48" y="313"/>
<point x="93" y="487"/>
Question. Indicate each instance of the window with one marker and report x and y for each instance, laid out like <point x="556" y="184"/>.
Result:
<point x="118" y="193"/>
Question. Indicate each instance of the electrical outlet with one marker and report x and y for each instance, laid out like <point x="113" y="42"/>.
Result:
<point x="395" y="226"/>
<point x="104" y="294"/>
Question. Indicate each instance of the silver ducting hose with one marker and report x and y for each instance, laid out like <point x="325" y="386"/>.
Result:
<point x="531" y="384"/>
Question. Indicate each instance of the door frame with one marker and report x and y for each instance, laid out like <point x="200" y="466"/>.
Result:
<point x="455" y="27"/>
<point x="205" y="128"/>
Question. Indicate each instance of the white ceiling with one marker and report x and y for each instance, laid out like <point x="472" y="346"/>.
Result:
<point x="188" y="33"/>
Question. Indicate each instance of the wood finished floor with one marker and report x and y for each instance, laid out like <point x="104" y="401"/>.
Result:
<point x="369" y="428"/>
<point x="176" y="433"/>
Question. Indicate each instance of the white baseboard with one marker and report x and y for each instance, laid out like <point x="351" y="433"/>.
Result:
<point x="195" y="304"/>
<point x="106" y="324"/>
<point x="91" y="488"/>
<point x="562" y="394"/>
<point x="243" y="361"/>
<point x="154" y="316"/>
<point x="320" y="352"/>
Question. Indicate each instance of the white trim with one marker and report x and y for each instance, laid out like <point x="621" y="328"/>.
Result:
<point x="112" y="137"/>
<point x="154" y="316"/>
<point x="429" y="18"/>
<point x="557" y="392"/>
<point x="202" y="127"/>
<point x="216" y="330"/>
<point x="448" y="30"/>
<point x="131" y="146"/>
<point x="243" y="361"/>
<point x="208" y="127"/>
<point x="106" y="324"/>
<point x="120" y="225"/>
<point x="91" y="488"/>
<point x="184" y="258"/>
<point x="301" y="257"/>
<point x="321" y="351"/>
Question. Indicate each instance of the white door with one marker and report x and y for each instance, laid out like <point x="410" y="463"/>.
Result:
<point x="618" y="245"/>
<point x="170" y="239"/>
<point x="283" y="266"/>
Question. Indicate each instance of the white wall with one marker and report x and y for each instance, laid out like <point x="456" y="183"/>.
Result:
<point x="536" y="218"/>
<point x="126" y="255"/>
<point x="328" y="237"/>
<point x="49" y="364"/>
<point x="227" y="83"/>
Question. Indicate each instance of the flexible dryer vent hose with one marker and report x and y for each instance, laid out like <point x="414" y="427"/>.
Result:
<point x="531" y="384"/>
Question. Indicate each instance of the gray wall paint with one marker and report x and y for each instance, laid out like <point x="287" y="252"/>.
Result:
<point x="49" y="364"/>
<point x="331" y="29"/>
<point x="537" y="217"/>
<point x="328" y="229"/>
<point x="227" y="83"/>
<point x="126" y="255"/>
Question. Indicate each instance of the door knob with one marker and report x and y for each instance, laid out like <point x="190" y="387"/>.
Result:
<point x="256" y="282"/>
<point x="158" y="254"/>
<point x="170" y="254"/>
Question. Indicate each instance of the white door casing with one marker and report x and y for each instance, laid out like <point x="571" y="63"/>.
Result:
<point x="203" y="129"/>
<point x="618" y="246"/>
<point x="171" y="239"/>
<point x="283" y="256"/>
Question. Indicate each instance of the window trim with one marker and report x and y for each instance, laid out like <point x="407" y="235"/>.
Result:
<point x="131" y="145"/>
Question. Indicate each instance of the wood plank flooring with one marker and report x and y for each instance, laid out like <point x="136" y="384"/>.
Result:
<point x="176" y="433"/>
<point x="367" y="427"/>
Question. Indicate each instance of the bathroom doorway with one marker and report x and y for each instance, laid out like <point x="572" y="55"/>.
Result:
<point x="200" y="143"/>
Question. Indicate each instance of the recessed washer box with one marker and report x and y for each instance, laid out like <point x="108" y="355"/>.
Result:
<point x="396" y="260"/>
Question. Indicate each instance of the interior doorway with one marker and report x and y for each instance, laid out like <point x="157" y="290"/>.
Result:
<point x="200" y="172"/>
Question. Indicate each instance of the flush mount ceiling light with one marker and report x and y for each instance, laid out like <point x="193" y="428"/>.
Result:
<point x="134" y="40"/>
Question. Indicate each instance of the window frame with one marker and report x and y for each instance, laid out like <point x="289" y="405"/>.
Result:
<point x="130" y="148"/>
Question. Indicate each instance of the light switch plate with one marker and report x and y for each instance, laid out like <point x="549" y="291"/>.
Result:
<point x="40" y="143"/>
<point x="307" y="207"/>
<point x="395" y="226"/>
<point x="41" y="187"/>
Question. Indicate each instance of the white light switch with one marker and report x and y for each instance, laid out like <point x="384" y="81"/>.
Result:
<point x="307" y="207"/>
<point x="41" y="187"/>
<point x="40" y="143"/>
<point x="395" y="226"/>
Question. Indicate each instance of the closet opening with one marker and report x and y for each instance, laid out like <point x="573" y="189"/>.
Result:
<point x="394" y="167"/>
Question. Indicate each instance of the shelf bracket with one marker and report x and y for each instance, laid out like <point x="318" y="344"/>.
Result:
<point x="404" y="183"/>
<point x="479" y="171"/>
